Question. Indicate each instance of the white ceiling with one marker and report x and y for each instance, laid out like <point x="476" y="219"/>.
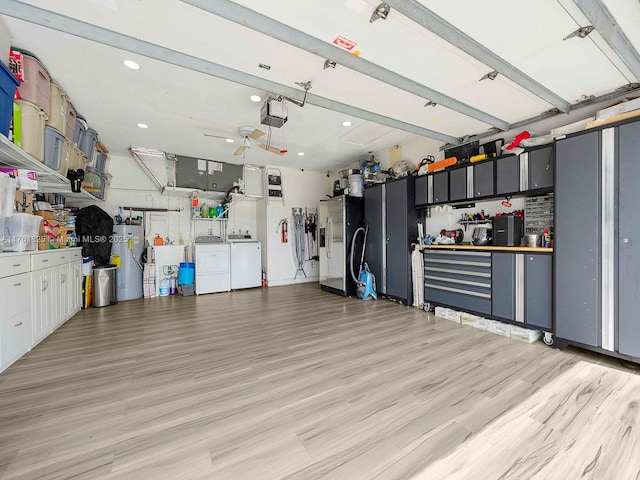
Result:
<point x="180" y="104"/>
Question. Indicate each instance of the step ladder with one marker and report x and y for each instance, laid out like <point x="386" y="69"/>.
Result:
<point x="274" y="185"/>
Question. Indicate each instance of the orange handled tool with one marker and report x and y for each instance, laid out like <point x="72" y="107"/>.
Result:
<point x="439" y="165"/>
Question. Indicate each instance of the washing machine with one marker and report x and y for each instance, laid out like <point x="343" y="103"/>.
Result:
<point x="213" y="265"/>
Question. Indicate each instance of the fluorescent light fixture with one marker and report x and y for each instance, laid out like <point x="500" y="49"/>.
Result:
<point x="143" y="125"/>
<point x="230" y="140"/>
<point x="346" y="124"/>
<point x="301" y="154"/>
<point x="131" y="64"/>
<point x="255" y="98"/>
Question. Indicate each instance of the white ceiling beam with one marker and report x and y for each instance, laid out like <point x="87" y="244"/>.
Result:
<point x="600" y="17"/>
<point x="249" y="18"/>
<point x="62" y="23"/>
<point x="443" y="29"/>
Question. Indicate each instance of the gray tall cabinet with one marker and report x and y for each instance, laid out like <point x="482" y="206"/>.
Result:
<point x="597" y="240"/>
<point x="389" y="209"/>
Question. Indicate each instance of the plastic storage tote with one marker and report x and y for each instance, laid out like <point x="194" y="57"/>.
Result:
<point x="21" y="232"/>
<point x="71" y="120"/>
<point x="37" y="84"/>
<point x="79" y="130"/>
<point x="58" y="104"/>
<point x="88" y="143"/>
<point x="186" y="273"/>
<point x="53" y="142"/>
<point x="33" y="120"/>
<point x="15" y="130"/>
<point x="76" y="159"/>
<point x="101" y="161"/>
<point x="8" y="85"/>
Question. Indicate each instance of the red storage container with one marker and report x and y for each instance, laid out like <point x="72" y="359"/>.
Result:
<point x="37" y="83"/>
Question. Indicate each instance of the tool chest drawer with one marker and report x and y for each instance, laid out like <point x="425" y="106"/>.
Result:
<point x="459" y="279"/>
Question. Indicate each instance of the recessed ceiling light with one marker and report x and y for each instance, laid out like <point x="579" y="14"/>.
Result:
<point x="131" y="64"/>
<point x="143" y="125"/>
<point x="346" y="124"/>
<point x="301" y="154"/>
<point x="230" y="140"/>
<point x="255" y="98"/>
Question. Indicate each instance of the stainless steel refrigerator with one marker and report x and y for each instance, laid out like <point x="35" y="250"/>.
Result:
<point x="339" y="217"/>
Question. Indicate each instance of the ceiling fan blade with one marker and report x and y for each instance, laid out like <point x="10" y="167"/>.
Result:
<point x="240" y="150"/>
<point x="256" y="134"/>
<point x="214" y="136"/>
<point x="275" y="150"/>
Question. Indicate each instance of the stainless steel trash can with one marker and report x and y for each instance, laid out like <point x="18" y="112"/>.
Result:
<point x="104" y="285"/>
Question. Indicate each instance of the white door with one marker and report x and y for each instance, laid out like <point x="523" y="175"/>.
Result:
<point x="76" y="290"/>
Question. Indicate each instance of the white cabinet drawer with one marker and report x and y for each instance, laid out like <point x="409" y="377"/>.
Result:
<point x="75" y="254"/>
<point x="49" y="259"/>
<point x="14" y="264"/>
<point x="15" y="294"/>
<point x="15" y="338"/>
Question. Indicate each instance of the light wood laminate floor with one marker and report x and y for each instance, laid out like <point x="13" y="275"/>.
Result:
<point x="292" y="382"/>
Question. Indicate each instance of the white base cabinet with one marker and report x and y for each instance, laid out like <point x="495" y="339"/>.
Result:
<point x="39" y="291"/>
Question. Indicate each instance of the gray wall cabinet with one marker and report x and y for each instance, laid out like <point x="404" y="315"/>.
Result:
<point x="458" y="184"/>
<point x="422" y="190"/>
<point x="508" y="175"/>
<point x="376" y="237"/>
<point x="483" y="179"/>
<point x="440" y="187"/>
<point x="541" y="167"/>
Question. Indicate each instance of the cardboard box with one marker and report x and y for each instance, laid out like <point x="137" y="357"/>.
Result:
<point x="525" y="334"/>
<point x="622" y="107"/>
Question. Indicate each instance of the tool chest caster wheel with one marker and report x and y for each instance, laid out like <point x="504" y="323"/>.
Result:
<point x="547" y="338"/>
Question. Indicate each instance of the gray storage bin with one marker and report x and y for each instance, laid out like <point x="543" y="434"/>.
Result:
<point x="101" y="161"/>
<point x="88" y="143"/>
<point x="79" y="129"/>
<point x="53" y="143"/>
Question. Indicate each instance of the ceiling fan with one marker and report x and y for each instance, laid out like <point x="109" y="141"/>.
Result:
<point x="249" y="136"/>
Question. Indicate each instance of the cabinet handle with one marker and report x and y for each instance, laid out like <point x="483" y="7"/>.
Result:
<point x="45" y="285"/>
<point x="16" y="264"/>
<point x="64" y="278"/>
<point x="45" y="261"/>
<point x="17" y="284"/>
<point x="18" y="324"/>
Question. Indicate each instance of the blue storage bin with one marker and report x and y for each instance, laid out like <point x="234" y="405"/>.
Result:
<point x="8" y="85"/>
<point x="186" y="273"/>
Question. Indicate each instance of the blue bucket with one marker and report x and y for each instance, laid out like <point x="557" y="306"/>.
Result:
<point x="186" y="273"/>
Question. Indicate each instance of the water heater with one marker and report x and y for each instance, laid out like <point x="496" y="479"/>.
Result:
<point x="126" y="252"/>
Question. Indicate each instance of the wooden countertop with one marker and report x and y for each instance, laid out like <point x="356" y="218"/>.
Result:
<point x="463" y="246"/>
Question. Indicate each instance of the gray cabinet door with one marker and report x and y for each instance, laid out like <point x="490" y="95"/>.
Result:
<point x="508" y="175"/>
<point x="422" y="190"/>
<point x="629" y="239"/>
<point x="440" y="187"/>
<point x="541" y="165"/>
<point x="376" y="238"/>
<point x="398" y="259"/>
<point x="503" y="285"/>
<point x="483" y="179"/>
<point x="538" y="290"/>
<point x="577" y="239"/>
<point x="458" y="184"/>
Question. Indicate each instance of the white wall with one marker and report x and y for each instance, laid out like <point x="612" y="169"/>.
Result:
<point x="302" y="189"/>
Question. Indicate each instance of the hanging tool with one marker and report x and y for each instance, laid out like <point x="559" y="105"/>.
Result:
<point x="298" y="226"/>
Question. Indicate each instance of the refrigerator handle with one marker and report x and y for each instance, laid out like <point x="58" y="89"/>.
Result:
<point x="329" y="237"/>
